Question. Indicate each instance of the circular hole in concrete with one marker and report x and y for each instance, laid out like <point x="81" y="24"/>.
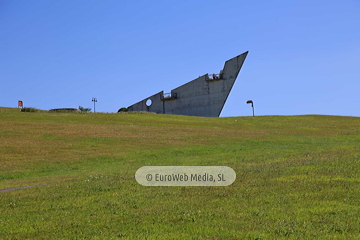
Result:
<point x="148" y="102"/>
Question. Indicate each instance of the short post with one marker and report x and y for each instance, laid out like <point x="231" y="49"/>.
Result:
<point x="94" y="100"/>
<point x="252" y="105"/>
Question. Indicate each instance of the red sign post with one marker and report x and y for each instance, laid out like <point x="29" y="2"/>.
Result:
<point x="20" y="104"/>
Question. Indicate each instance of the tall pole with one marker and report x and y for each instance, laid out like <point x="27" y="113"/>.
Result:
<point x="252" y="105"/>
<point x="94" y="100"/>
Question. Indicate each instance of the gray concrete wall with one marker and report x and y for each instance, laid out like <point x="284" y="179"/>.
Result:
<point x="199" y="97"/>
<point x="156" y="106"/>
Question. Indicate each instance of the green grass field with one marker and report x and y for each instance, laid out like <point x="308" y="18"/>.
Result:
<point x="298" y="177"/>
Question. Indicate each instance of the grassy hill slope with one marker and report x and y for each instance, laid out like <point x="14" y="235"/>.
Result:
<point x="297" y="176"/>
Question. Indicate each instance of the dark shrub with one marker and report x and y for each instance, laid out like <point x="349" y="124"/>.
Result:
<point x="29" y="109"/>
<point x="123" y="109"/>
<point x="82" y="109"/>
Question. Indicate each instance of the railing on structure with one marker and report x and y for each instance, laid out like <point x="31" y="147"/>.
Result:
<point x="214" y="76"/>
<point x="168" y="96"/>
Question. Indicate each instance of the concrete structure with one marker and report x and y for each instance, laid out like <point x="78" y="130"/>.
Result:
<point x="204" y="96"/>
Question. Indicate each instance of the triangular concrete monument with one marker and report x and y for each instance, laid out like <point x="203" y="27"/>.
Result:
<point x="204" y="96"/>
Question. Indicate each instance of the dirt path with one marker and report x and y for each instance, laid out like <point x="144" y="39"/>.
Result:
<point x="16" y="188"/>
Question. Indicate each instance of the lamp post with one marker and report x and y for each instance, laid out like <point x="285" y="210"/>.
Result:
<point x="252" y="105"/>
<point x="94" y="100"/>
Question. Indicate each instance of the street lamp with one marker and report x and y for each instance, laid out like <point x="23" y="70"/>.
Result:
<point x="94" y="100"/>
<point x="252" y="105"/>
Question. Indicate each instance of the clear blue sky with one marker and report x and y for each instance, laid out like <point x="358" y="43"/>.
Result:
<point x="304" y="56"/>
